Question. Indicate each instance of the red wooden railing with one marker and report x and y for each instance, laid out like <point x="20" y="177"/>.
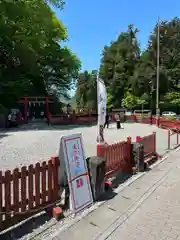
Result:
<point x="173" y="127"/>
<point x="149" y="143"/>
<point x="79" y="120"/>
<point x="27" y="190"/>
<point x="162" y="122"/>
<point x="117" y="156"/>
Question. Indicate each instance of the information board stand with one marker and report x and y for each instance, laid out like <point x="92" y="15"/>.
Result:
<point x="73" y="170"/>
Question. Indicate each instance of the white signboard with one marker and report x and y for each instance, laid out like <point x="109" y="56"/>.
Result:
<point x="77" y="173"/>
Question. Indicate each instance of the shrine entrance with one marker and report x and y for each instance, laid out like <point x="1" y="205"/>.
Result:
<point x="34" y="107"/>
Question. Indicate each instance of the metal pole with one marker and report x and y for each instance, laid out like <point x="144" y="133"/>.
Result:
<point x="157" y="80"/>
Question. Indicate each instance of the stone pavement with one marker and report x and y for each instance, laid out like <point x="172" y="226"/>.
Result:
<point x="148" y="208"/>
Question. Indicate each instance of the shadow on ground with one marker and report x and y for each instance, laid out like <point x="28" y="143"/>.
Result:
<point x="36" y="222"/>
<point x="26" y="228"/>
<point x="43" y="127"/>
<point x="3" y="135"/>
<point x="118" y="180"/>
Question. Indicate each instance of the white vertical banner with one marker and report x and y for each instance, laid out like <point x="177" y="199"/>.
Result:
<point x="102" y="99"/>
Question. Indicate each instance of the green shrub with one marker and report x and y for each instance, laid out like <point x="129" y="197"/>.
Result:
<point x="171" y="118"/>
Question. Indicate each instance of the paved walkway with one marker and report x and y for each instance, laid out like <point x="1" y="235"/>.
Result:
<point x="149" y="208"/>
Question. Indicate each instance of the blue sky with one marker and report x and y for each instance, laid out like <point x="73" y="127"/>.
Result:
<point x="94" y="23"/>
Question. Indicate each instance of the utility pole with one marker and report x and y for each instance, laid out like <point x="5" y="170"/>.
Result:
<point x="157" y="79"/>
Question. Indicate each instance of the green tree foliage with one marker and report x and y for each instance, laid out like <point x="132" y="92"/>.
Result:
<point x="173" y="98"/>
<point x="32" y="61"/>
<point x="144" y="78"/>
<point x="86" y="93"/>
<point x="131" y="75"/>
<point x="56" y="3"/>
<point x="130" y="101"/>
<point x="118" y="64"/>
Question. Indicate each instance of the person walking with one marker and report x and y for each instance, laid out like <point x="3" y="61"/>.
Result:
<point x="48" y="119"/>
<point x="42" y="115"/>
<point x="106" y="121"/>
<point x="9" y="120"/>
<point x="151" y="118"/>
<point x="118" y="122"/>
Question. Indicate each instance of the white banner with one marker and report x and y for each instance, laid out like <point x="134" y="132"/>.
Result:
<point x="101" y="92"/>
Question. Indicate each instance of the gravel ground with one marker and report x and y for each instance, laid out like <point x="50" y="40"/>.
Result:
<point x="26" y="147"/>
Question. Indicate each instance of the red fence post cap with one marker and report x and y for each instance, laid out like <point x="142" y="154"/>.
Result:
<point x="100" y="145"/>
<point x="138" y="138"/>
<point x="129" y="139"/>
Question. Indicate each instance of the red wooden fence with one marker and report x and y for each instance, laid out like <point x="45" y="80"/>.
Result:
<point x="149" y="143"/>
<point x="80" y="120"/>
<point x="162" y="122"/>
<point x="26" y="191"/>
<point x="117" y="156"/>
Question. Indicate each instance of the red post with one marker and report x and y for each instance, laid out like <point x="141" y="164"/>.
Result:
<point x="158" y="121"/>
<point x="134" y="117"/>
<point x="19" y="117"/>
<point x="151" y="119"/>
<point x="177" y="137"/>
<point x="169" y="139"/>
<point x="138" y="138"/>
<point x="98" y="149"/>
<point x="25" y="108"/>
<point x="129" y="141"/>
<point x="101" y="150"/>
<point x="154" y="133"/>
<point x="53" y="159"/>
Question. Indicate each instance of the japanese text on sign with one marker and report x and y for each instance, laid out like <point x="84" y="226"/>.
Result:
<point x="75" y="156"/>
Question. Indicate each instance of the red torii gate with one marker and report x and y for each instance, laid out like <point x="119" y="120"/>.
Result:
<point x="26" y="100"/>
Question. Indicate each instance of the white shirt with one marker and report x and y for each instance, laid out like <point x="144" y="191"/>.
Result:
<point x="9" y="117"/>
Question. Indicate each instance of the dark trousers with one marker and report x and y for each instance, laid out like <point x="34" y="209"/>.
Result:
<point x="48" y="121"/>
<point x="118" y="124"/>
<point x="9" y="123"/>
<point x="106" y="124"/>
<point x="151" y="119"/>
